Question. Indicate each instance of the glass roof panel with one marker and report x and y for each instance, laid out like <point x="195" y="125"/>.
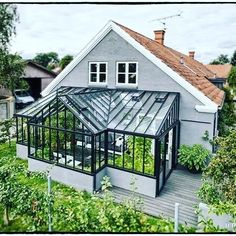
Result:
<point x="124" y="110"/>
<point x="144" y="120"/>
<point x="129" y="117"/>
<point x="35" y="107"/>
<point x="163" y="111"/>
<point x="98" y="109"/>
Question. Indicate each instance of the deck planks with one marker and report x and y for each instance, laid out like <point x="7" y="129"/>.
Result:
<point x="181" y="187"/>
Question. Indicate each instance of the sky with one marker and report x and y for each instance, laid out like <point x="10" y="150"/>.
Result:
<point x="207" y="29"/>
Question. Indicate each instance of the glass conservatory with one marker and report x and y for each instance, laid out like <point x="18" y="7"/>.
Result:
<point x="98" y="132"/>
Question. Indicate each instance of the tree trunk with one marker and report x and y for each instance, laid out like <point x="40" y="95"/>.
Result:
<point x="6" y="216"/>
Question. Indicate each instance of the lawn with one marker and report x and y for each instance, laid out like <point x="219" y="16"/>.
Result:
<point x="72" y="210"/>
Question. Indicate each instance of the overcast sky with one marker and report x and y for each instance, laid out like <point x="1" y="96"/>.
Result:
<point x="210" y="30"/>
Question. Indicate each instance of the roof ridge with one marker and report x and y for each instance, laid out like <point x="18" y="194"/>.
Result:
<point x="194" y="72"/>
<point x="166" y="47"/>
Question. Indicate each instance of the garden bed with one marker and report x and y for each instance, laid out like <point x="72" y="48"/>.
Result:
<point x="73" y="211"/>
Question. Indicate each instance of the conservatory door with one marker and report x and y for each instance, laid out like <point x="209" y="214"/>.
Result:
<point x="169" y="152"/>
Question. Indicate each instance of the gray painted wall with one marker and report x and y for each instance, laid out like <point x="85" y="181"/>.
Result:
<point x="122" y="179"/>
<point x="22" y="151"/>
<point x="80" y="181"/>
<point x="223" y="221"/>
<point x="7" y="108"/>
<point x="112" y="49"/>
<point x="45" y="82"/>
<point x="69" y="177"/>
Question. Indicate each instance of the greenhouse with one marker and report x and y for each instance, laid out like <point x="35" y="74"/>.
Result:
<point x="97" y="131"/>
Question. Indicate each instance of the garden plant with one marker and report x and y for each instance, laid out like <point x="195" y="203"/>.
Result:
<point x="26" y="207"/>
<point x="193" y="157"/>
<point x="218" y="189"/>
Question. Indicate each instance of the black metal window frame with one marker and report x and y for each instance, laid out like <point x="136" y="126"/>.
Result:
<point x="103" y="139"/>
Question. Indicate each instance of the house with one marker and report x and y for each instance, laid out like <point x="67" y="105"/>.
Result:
<point x="38" y="78"/>
<point x="121" y="108"/>
<point x="221" y="74"/>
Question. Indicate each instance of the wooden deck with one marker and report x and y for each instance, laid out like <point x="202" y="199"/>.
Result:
<point x="180" y="188"/>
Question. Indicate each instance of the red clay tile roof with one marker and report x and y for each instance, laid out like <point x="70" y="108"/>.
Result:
<point x="221" y="71"/>
<point x="191" y="70"/>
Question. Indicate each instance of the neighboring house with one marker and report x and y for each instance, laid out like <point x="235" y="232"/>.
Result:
<point x="121" y="108"/>
<point x="38" y="78"/>
<point x="221" y="73"/>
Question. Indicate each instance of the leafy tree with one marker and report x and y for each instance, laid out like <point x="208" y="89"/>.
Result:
<point x="222" y="59"/>
<point x="11" y="70"/>
<point x="11" y="65"/>
<point x="227" y="115"/>
<point x="8" y="191"/>
<point x="8" y="18"/>
<point x="48" y="60"/>
<point x="219" y="177"/>
<point x="65" y="61"/>
<point x="233" y="59"/>
<point x="232" y="79"/>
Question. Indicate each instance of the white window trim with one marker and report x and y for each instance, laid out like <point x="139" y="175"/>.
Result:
<point x="126" y="73"/>
<point x="98" y="63"/>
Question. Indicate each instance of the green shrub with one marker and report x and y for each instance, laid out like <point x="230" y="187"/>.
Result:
<point x="193" y="157"/>
<point x="220" y="174"/>
<point x="218" y="189"/>
<point x="72" y="211"/>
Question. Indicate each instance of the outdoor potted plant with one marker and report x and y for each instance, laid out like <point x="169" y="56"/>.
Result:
<point x="193" y="157"/>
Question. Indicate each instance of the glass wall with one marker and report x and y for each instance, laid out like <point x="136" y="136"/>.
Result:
<point x="21" y="132"/>
<point x="88" y="129"/>
<point x="59" y="137"/>
<point x="131" y="152"/>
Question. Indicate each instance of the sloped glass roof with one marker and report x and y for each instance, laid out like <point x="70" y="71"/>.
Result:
<point x="131" y="111"/>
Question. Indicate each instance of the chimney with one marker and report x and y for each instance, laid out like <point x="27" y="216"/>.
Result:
<point x="159" y="36"/>
<point x="191" y="54"/>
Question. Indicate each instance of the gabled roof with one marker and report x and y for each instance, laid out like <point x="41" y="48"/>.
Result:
<point x="191" y="75"/>
<point x="192" y="70"/>
<point x="38" y="67"/>
<point x="221" y="71"/>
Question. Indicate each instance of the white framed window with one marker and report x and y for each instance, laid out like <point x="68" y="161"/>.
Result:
<point x="127" y="73"/>
<point x="97" y="72"/>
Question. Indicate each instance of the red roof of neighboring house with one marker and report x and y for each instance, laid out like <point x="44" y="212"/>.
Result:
<point x="191" y="70"/>
<point x="221" y="71"/>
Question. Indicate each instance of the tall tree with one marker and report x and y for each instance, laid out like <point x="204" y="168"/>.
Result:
<point x="11" y="72"/>
<point x="8" y="18"/>
<point x="49" y="60"/>
<point x="227" y="115"/>
<point x="233" y="59"/>
<point x="65" y="61"/>
<point x="232" y="79"/>
<point x="11" y="65"/>
<point x="222" y="59"/>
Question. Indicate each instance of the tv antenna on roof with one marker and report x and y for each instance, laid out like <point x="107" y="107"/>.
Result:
<point x="163" y="19"/>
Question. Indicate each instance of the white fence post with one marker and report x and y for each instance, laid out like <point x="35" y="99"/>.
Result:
<point x="176" y="217"/>
<point x="49" y="206"/>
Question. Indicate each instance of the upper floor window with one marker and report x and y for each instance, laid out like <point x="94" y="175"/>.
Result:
<point x="97" y="72"/>
<point x="127" y="73"/>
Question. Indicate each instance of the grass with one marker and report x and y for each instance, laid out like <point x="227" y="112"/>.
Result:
<point x="79" y="209"/>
